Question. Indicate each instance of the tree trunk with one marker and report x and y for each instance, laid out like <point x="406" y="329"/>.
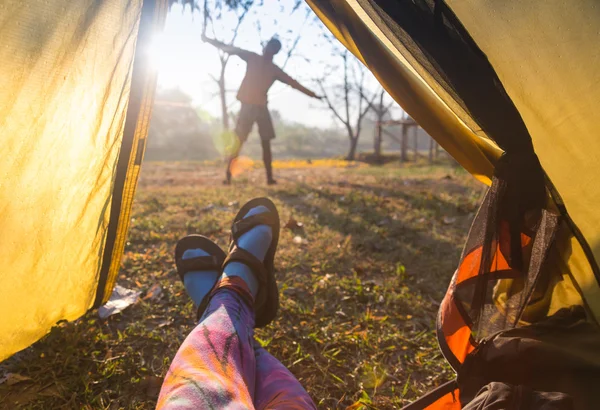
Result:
<point x="377" y="142"/>
<point x="416" y="142"/>
<point x="404" y="144"/>
<point x="223" y="97"/>
<point x="431" y="144"/>
<point x="437" y="150"/>
<point x="352" y="152"/>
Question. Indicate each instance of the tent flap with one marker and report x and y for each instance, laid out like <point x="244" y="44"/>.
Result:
<point x="456" y="68"/>
<point x="73" y="110"/>
<point x="133" y="146"/>
<point x="518" y="79"/>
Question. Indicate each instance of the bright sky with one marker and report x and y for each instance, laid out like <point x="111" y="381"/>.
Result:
<point x="185" y="62"/>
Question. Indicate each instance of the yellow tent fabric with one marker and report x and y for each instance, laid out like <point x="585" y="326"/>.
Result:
<point x="74" y="107"/>
<point x="545" y="55"/>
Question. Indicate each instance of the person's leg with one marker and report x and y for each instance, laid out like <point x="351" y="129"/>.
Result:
<point x="275" y="386"/>
<point x="215" y="366"/>
<point x="245" y="121"/>
<point x="267" y="159"/>
<point x="232" y="158"/>
<point x="267" y="133"/>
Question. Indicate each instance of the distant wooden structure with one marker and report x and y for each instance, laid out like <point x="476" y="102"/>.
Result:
<point x="409" y="129"/>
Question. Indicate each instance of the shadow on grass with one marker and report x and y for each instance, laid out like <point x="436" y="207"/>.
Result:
<point x="386" y="234"/>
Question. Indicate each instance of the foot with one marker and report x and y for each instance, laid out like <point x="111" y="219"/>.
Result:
<point x="256" y="241"/>
<point x="255" y="235"/>
<point x="199" y="261"/>
<point x="198" y="283"/>
<point x="271" y="181"/>
<point x="226" y="182"/>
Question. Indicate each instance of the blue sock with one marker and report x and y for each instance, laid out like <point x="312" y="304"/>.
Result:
<point x="256" y="241"/>
<point x="198" y="283"/>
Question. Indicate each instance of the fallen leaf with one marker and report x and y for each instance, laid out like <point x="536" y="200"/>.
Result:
<point x="19" y="397"/>
<point x="298" y="240"/>
<point x="361" y="403"/>
<point x="293" y="224"/>
<point x="359" y="271"/>
<point x="120" y="299"/>
<point x="356" y="406"/>
<point x="449" y="220"/>
<point x="321" y="283"/>
<point x="362" y="334"/>
<point x="165" y="323"/>
<point x="51" y="391"/>
<point x="13" y="378"/>
<point x="290" y="291"/>
<point x="383" y="222"/>
<point x="207" y="208"/>
<point x="154" y="292"/>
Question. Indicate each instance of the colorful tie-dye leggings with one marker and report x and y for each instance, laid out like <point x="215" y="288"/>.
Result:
<point x="221" y="366"/>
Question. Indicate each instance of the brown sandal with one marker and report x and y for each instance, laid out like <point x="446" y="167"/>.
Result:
<point x="267" y="298"/>
<point x="212" y="262"/>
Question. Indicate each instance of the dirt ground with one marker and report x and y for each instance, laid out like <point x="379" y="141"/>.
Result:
<point x="364" y="258"/>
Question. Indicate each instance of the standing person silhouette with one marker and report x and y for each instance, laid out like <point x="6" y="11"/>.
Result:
<point x="261" y="73"/>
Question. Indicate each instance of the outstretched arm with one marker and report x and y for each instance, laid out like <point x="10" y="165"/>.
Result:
<point x="284" y="78"/>
<point x="227" y="48"/>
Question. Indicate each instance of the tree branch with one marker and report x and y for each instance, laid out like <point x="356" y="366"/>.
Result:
<point x="239" y="23"/>
<point x="361" y="112"/>
<point x="394" y="137"/>
<point x="387" y="107"/>
<point x="330" y="105"/>
<point x="346" y="87"/>
<point x="298" y="36"/>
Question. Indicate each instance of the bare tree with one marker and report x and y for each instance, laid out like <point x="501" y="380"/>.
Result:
<point x="415" y="143"/>
<point x="354" y="104"/>
<point x="381" y="109"/>
<point x="241" y="11"/>
<point x="431" y="149"/>
<point x="404" y="141"/>
<point x="213" y="10"/>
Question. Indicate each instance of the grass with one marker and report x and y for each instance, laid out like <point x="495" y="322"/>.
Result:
<point x="360" y="284"/>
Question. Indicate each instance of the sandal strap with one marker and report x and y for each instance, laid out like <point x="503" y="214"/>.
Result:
<point x="256" y="266"/>
<point x="210" y="262"/>
<point x="244" y="225"/>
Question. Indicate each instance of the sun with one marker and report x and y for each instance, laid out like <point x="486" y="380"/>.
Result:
<point x="159" y="55"/>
